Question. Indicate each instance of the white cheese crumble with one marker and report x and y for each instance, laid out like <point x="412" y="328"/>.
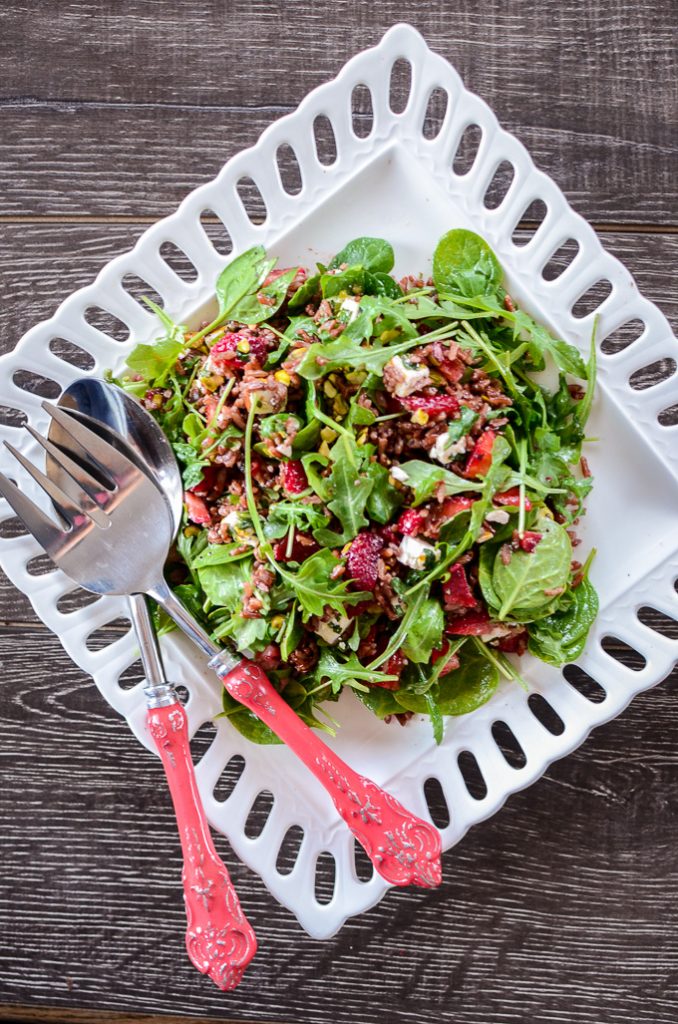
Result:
<point x="399" y="474"/>
<point x="409" y="379"/>
<point x="415" y="553"/>
<point x="353" y="308"/>
<point x="232" y="519"/>
<point x="498" y="515"/>
<point x="330" y="632"/>
<point x="445" y="450"/>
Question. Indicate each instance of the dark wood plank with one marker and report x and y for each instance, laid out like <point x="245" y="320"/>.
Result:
<point x="56" y="159"/>
<point x="539" y="907"/>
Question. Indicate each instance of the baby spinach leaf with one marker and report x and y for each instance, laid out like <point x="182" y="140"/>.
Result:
<point x="424" y="478"/>
<point x="463" y="262"/>
<point x="383" y="284"/>
<point x="380" y="701"/>
<point x="240" y="279"/>
<point x="371" y="253"/>
<point x="154" y="362"/>
<point x="520" y="586"/>
<point x="560" y="637"/>
<point x="306" y="292"/>
<point x="263" y="304"/>
<point x="292" y="633"/>
<point x="425" y="633"/>
<point x="220" y="554"/>
<point x="459" y="692"/>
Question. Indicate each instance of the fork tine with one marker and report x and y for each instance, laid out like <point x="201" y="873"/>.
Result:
<point x="109" y="459"/>
<point x="88" y="490"/>
<point x="47" y="534"/>
<point x="72" y="507"/>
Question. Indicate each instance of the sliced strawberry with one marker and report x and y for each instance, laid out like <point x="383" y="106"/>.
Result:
<point x="452" y="370"/>
<point x="212" y="484"/>
<point x="451" y="662"/>
<point x="511" y="497"/>
<point x="393" y="667"/>
<point x="471" y="624"/>
<point x="457" y="593"/>
<point x="529" y="541"/>
<point x="514" y="643"/>
<point x="480" y="459"/>
<point x="303" y="545"/>
<point x="452" y="506"/>
<point x="226" y="355"/>
<point x="198" y="511"/>
<point x="363" y="558"/>
<point x="411" y="522"/>
<point x="294" y="479"/>
<point x="432" y="404"/>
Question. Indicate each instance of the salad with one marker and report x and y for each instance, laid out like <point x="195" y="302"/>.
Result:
<point x="382" y="479"/>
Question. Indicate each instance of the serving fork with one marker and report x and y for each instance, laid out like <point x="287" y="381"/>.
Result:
<point x="117" y="540"/>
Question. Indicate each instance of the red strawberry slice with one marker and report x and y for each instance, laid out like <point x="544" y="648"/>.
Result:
<point x="456" y="591"/>
<point x="452" y="506"/>
<point x="225" y="354"/>
<point x="294" y="479"/>
<point x="411" y="522"/>
<point x="511" y="497"/>
<point x="212" y="483"/>
<point x="432" y="404"/>
<point x="471" y="624"/>
<point x="529" y="541"/>
<point x="302" y="546"/>
<point x="480" y="459"/>
<point x="514" y="643"/>
<point x="451" y="662"/>
<point x="198" y="511"/>
<point x="393" y="667"/>
<point x="363" y="558"/>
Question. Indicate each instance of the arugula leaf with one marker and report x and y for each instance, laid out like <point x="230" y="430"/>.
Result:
<point x="520" y="586"/>
<point x="315" y="589"/>
<point x="350" y="489"/>
<point x="561" y="636"/>
<point x="384" y="499"/>
<point x="219" y="554"/>
<point x="426" y="632"/>
<point x="424" y="479"/>
<point x="461" y="427"/>
<point x="284" y="514"/>
<point x="193" y="464"/>
<point x="155" y="361"/>
<point x="349" y="672"/>
<point x="371" y="253"/>
<point x="292" y="632"/>
<point x="463" y="262"/>
<point x="223" y="583"/>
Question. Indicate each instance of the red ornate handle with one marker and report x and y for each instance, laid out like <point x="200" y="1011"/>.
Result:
<point x="219" y="938"/>
<point x="404" y="849"/>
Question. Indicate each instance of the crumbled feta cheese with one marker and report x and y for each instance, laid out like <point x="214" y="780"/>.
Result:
<point x="353" y="308"/>
<point x="445" y="450"/>
<point x="415" y="553"/>
<point x="232" y="518"/>
<point x="407" y="379"/>
<point x="495" y="631"/>
<point x="399" y="474"/>
<point x="331" y="631"/>
<point x="497" y="515"/>
<point x="285" y="449"/>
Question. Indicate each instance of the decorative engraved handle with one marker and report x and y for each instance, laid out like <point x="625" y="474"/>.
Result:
<point x="219" y="938"/>
<point x="404" y="849"/>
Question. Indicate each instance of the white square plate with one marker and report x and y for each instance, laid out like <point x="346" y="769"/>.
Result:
<point x="399" y="184"/>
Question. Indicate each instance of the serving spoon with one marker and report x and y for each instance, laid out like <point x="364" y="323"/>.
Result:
<point x="126" y="553"/>
<point x="212" y="904"/>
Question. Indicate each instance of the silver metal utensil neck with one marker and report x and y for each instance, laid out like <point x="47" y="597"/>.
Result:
<point x="162" y="695"/>
<point x="162" y="593"/>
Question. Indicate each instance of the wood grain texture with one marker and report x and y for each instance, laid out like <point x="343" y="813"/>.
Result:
<point x="562" y="908"/>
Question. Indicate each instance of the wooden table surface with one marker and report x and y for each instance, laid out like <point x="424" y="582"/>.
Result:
<point x="564" y="906"/>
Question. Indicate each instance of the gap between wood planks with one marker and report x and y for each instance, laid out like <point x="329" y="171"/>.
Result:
<point x="65" y="1015"/>
<point x="86" y="218"/>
